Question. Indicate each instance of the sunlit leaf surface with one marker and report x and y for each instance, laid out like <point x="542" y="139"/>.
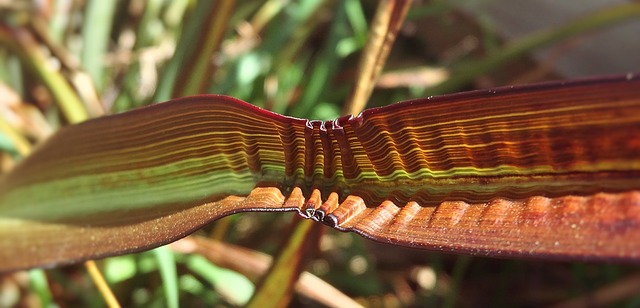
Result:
<point x="550" y="170"/>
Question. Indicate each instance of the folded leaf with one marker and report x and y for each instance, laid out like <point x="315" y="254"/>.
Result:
<point x="549" y="170"/>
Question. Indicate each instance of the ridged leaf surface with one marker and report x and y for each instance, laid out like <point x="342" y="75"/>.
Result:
<point x="549" y="170"/>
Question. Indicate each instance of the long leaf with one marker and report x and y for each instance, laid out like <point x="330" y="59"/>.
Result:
<point x="196" y="71"/>
<point x="95" y="34"/>
<point x="190" y="69"/>
<point x="550" y="170"/>
<point x="26" y="48"/>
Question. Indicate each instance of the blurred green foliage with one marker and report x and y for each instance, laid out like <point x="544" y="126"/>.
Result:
<point x="292" y="57"/>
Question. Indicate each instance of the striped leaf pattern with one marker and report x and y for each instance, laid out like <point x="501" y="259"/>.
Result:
<point x="547" y="171"/>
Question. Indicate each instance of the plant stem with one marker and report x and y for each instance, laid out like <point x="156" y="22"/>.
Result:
<point x="102" y="285"/>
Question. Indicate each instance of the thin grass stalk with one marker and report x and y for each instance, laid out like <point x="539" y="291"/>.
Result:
<point x="102" y="285"/>
<point x="389" y="17"/>
<point x="22" y="44"/>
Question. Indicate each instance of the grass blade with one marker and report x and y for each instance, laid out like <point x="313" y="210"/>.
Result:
<point x="324" y="66"/>
<point x="277" y="286"/>
<point x="167" y="268"/>
<point x="190" y="69"/>
<point x="39" y="283"/>
<point x="235" y="288"/>
<point x="197" y="71"/>
<point x="23" y="45"/>
<point x="96" y="33"/>
<point x="385" y="26"/>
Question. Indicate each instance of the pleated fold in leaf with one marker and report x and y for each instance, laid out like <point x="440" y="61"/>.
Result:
<point x="549" y="170"/>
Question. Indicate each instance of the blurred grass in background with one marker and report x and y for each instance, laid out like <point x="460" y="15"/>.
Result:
<point x="63" y="61"/>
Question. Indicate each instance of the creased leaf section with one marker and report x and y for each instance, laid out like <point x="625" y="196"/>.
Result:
<point x="496" y="172"/>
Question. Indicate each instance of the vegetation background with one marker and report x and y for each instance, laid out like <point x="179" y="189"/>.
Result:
<point x="62" y="61"/>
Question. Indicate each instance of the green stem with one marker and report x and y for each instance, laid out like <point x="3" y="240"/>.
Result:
<point x="95" y="36"/>
<point x="23" y="45"/>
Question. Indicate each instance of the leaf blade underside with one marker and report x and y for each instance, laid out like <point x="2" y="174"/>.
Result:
<point x="548" y="171"/>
